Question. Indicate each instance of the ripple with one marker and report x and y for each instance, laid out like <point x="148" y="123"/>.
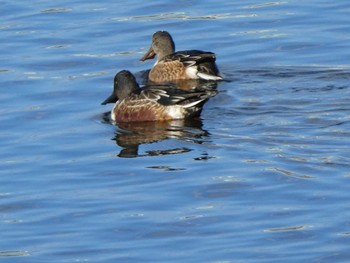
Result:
<point x="165" y="168"/>
<point x="226" y="178"/>
<point x="57" y="46"/>
<point x="264" y="33"/>
<point x="289" y="173"/>
<point x="286" y="229"/>
<point x="344" y="234"/>
<point x="14" y="253"/>
<point x="107" y="55"/>
<point x="190" y="217"/>
<point x="182" y="16"/>
<point x="4" y="26"/>
<point x="268" y="4"/>
<point x="56" y="10"/>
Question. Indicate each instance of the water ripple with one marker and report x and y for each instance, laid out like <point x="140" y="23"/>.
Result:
<point x="14" y="253"/>
<point x="289" y="173"/>
<point x="182" y="16"/>
<point x="267" y="4"/>
<point x="286" y="229"/>
<point x="56" y="10"/>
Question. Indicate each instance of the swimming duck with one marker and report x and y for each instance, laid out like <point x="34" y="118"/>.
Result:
<point x="172" y="66"/>
<point x="153" y="103"/>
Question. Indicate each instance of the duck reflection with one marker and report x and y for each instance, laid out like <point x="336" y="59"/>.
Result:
<point x="131" y="135"/>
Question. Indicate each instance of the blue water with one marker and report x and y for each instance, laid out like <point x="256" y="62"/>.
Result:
<point x="262" y="177"/>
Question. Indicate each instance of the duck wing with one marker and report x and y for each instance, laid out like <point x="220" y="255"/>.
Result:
<point x="191" y="57"/>
<point x="203" y="61"/>
<point x="168" y="96"/>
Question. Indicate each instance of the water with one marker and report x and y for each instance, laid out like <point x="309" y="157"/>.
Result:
<point x="262" y="177"/>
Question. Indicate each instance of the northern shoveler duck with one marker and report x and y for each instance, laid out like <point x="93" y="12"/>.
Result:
<point x="172" y="66"/>
<point x="153" y="103"/>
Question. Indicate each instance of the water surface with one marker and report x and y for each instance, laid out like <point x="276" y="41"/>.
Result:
<point x="261" y="177"/>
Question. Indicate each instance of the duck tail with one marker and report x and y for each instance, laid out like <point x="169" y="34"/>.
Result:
<point x="198" y="98"/>
<point x="209" y="71"/>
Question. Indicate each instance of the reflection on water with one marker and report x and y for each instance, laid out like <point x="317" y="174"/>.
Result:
<point x="130" y="136"/>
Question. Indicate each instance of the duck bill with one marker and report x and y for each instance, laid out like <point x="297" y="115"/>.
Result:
<point x="110" y="99"/>
<point x="149" y="55"/>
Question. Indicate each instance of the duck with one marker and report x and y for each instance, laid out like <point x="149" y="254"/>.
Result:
<point x="181" y="65"/>
<point x="153" y="102"/>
